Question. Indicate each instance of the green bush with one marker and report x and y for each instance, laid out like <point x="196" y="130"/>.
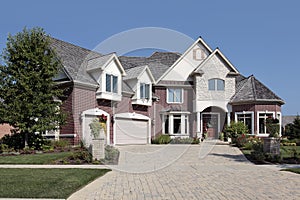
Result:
<point x="235" y="130"/>
<point x="14" y="141"/>
<point x="185" y="140"/>
<point x="111" y="155"/>
<point x="162" y="139"/>
<point x="60" y="143"/>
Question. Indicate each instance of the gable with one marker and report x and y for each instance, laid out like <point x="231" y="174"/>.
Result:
<point x="188" y="62"/>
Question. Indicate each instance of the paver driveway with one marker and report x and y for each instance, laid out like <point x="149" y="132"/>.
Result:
<point x="205" y="171"/>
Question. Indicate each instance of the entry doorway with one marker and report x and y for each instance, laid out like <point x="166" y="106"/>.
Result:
<point x="211" y="124"/>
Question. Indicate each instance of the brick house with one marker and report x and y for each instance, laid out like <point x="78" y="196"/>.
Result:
<point x="182" y="95"/>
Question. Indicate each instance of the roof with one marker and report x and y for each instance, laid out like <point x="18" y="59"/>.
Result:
<point x="134" y="72"/>
<point x="250" y="90"/>
<point x="74" y="59"/>
<point x="158" y="62"/>
<point x="219" y="54"/>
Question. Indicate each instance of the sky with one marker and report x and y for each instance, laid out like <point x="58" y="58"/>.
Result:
<point x="260" y="37"/>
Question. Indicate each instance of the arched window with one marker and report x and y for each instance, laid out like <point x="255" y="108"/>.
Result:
<point x="216" y="84"/>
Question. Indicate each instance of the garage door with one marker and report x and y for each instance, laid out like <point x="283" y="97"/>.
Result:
<point x="131" y="131"/>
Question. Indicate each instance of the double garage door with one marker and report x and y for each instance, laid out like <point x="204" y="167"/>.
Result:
<point x="131" y="131"/>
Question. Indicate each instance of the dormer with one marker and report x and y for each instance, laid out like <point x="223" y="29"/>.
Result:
<point x="107" y="71"/>
<point x="140" y="79"/>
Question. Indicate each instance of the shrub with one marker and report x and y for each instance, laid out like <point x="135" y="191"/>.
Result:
<point x="14" y="141"/>
<point x="60" y="143"/>
<point x="111" y="155"/>
<point x="221" y="136"/>
<point x="162" y="139"/>
<point x="178" y="140"/>
<point x="235" y="130"/>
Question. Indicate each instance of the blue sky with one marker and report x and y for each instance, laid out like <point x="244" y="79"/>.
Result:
<point x="260" y="37"/>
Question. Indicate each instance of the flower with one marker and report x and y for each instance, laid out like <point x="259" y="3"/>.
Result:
<point x="102" y="118"/>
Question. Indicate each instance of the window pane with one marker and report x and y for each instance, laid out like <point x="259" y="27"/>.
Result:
<point x="211" y="84"/>
<point x="108" y="83"/>
<point x="177" y="124"/>
<point x="170" y="95"/>
<point x="142" y="90"/>
<point x="115" y="84"/>
<point x="166" y="124"/>
<point x="147" y="91"/>
<point x="178" y="96"/>
<point x="220" y="84"/>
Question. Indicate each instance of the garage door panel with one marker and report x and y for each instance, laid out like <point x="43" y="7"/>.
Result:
<point x="129" y="131"/>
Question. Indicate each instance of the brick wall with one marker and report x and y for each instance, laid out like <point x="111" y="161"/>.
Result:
<point x="77" y="100"/>
<point x="255" y="108"/>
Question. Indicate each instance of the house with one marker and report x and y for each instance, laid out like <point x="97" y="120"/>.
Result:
<point x="183" y="95"/>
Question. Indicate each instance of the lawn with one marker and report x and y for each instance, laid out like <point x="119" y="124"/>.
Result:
<point x="45" y="183"/>
<point x="44" y="158"/>
<point x="295" y="170"/>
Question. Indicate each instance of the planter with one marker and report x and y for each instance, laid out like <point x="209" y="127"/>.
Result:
<point x="272" y="145"/>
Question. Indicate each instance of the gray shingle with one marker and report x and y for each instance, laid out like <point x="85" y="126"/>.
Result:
<point x="251" y="90"/>
<point x="74" y="59"/>
<point x="133" y="72"/>
<point x="158" y="62"/>
<point x="95" y="63"/>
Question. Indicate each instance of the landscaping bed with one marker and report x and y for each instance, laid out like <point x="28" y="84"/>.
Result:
<point x="57" y="152"/>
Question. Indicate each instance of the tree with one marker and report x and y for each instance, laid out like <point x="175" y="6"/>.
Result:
<point x="27" y="89"/>
<point x="292" y="130"/>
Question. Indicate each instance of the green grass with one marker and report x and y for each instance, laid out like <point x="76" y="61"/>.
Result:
<point x="45" y="183"/>
<point x="44" y="158"/>
<point x="295" y="170"/>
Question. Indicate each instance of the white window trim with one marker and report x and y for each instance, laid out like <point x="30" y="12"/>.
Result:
<point x="182" y="97"/>
<point x="183" y="126"/>
<point x="243" y="113"/>
<point x="263" y="112"/>
<point x="139" y="91"/>
<point x="111" y="83"/>
<point x="216" y="84"/>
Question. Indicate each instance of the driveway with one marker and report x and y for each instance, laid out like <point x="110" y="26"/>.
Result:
<point x="206" y="171"/>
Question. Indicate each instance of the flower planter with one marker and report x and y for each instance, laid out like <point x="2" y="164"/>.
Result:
<point x="272" y="145"/>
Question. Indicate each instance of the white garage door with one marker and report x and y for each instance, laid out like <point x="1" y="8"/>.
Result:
<point x="131" y="131"/>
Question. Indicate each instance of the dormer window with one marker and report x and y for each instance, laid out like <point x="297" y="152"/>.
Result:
<point x="216" y="84"/>
<point x="111" y="83"/>
<point x="144" y="91"/>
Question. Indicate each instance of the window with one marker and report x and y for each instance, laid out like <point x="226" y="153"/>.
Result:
<point x="246" y="119"/>
<point x="216" y="84"/>
<point x="144" y="91"/>
<point x="175" y="124"/>
<point x="174" y="95"/>
<point x="262" y="122"/>
<point x="111" y="83"/>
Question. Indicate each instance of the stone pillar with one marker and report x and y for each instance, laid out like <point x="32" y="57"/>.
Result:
<point x="98" y="148"/>
<point x="198" y="125"/>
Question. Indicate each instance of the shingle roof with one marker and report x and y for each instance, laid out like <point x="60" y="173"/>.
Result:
<point x="74" y="59"/>
<point x="96" y="62"/>
<point x="251" y="90"/>
<point x="134" y="72"/>
<point x="158" y="62"/>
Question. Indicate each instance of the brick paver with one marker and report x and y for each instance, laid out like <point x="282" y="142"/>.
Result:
<point x="205" y="171"/>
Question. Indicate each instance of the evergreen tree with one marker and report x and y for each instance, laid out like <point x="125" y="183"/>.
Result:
<point x="27" y="89"/>
<point x="296" y="127"/>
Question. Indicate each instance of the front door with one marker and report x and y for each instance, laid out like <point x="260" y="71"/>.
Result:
<point x="210" y="124"/>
